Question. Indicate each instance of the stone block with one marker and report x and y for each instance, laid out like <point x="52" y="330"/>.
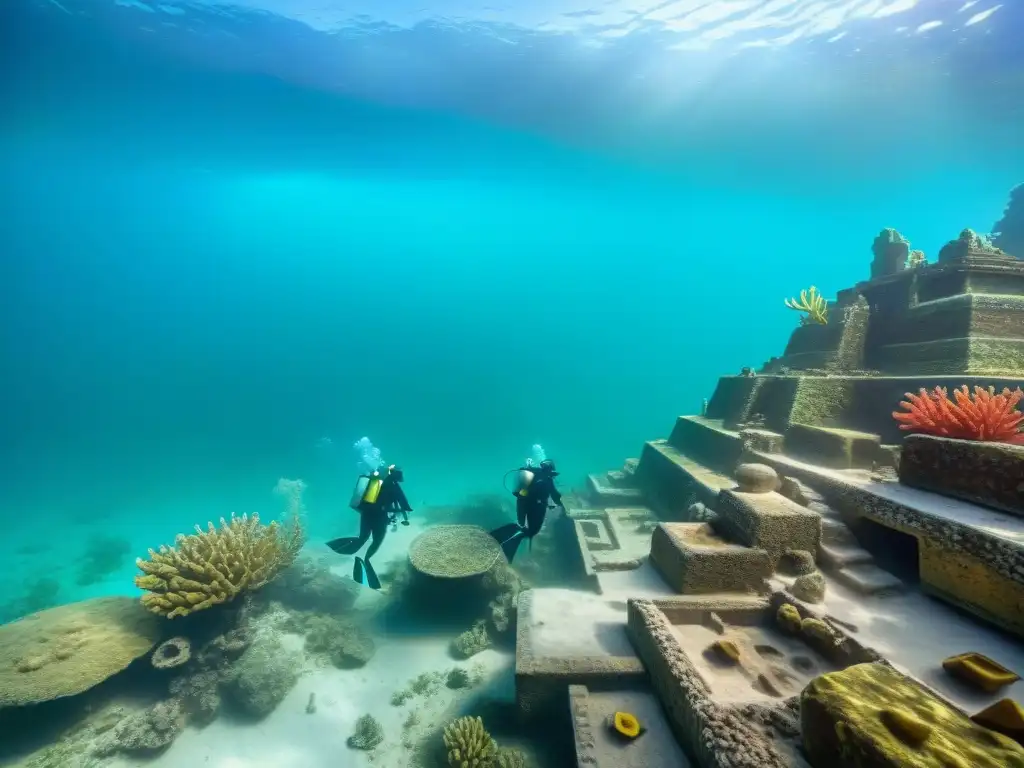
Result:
<point x="768" y="521"/>
<point x="692" y="559"/>
<point x="832" y="447"/>
<point x="985" y="473"/>
<point x="872" y="715"/>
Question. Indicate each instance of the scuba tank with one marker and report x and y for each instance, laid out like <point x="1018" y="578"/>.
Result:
<point x="523" y="480"/>
<point x="367" y="490"/>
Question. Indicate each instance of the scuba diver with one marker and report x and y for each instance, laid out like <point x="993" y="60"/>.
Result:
<point x="535" y="486"/>
<point x="379" y="500"/>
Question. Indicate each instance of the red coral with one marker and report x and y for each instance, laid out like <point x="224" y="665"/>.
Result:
<point x="981" y="416"/>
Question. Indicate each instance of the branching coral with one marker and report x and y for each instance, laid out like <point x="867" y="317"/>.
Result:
<point x="469" y="744"/>
<point x="983" y="415"/>
<point x="813" y="304"/>
<point x="216" y="565"/>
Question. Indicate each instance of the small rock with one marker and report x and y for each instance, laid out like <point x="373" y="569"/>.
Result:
<point x="794" y="491"/>
<point x="810" y="588"/>
<point x="796" y="562"/>
<point x="756" y="478"/>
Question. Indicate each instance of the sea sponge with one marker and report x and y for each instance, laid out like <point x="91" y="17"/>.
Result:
<point x="870" y="714"/>
<point x="214" y="566"/>
<point x="454" y="552"/>
<point x="469" y="745"/>
<point x="726" y="650"/>
<point x="64" y="651"/>
<point x="172" y="653"/>
<point x="980" y="671"/>
<point x="1006" y="716"/>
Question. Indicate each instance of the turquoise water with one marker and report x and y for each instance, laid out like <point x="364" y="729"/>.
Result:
<point x="216" y="276"/>
<point x="209" y="272"/>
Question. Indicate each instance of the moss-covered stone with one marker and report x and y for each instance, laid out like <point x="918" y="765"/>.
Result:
<point x="872" y="715"/>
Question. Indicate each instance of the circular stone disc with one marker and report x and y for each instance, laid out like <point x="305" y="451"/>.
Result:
<point x="454" y="551"/>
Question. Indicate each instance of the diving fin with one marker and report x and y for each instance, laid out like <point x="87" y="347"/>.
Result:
<point x="506" y="532"/>
<point x="347" y="546"/>
<point x="363" y="573"/>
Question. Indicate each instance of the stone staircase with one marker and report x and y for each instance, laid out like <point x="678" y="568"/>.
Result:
<point x="842" y="557"/>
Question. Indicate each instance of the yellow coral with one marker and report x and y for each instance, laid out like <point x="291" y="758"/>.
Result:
<point x="813" y="304"/>
<point x="214" y="566"/>
<point x="469" y="744"/>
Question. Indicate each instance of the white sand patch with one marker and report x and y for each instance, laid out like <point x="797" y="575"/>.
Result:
<point x="916" y="633"/>
<point x="292" y="738"/>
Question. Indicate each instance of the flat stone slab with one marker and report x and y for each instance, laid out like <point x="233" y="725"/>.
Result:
<point x="603" y="492"/>
<point x="841" y="555"/>
<point x="566" y="637"/>
<point x="598" y="747"/>
<point x="985" y="473"/>
<point x="868" y="579"/>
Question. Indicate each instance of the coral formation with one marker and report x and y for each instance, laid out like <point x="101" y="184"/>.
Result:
<point x="262" y="677"/>
<point x="813" y="304"/>
<point x="725" y="650"/>
<point x="454" y="552"/>
<point x="983" y="415"/>
<point x="472" y="641"/>
<point x="870" y="714"/>
<point x="172" y="653"/>
<point x="345" y="643"/>
<point x="979" y="671"/>
<point x="368" y="734"/>
<point x="214" y="566"/>
<point x="508" y="757"/>
<point x="64" y="651"/>
<point x="469" y="744"/>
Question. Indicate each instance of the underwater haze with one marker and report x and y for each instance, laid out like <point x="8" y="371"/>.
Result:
<point x="237" y="238"/>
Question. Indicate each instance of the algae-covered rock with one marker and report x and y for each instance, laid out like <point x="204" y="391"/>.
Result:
<point x="146" y="733"/>
<point x="797" y="562"/>
<point x="979" y="671"/>
<point x="810" y="588"/>
<point x="345" y="643"/>
<point x="472" y="641"/>
<point x="262" y="677"/>
<point x="872" y="715"/>
<point x="788" y="618"/>
<point x="67" y="650"/>
<point x="368" y="733"/>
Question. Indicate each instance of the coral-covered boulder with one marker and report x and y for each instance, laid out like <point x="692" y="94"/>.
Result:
<point x="454" y="552"/>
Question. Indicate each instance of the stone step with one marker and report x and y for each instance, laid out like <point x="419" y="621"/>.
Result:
<point x="838" y="556"/>
<point x="601" y="491"/>
<point x="868" y="579"/>
<point x="836" y="532"/>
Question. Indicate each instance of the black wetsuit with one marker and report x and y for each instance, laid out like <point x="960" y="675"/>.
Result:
<point x="532" y="508"/>
<point x="375" y="517"/>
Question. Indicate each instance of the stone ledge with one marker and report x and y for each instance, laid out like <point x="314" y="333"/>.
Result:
<point x="991" y="474"/>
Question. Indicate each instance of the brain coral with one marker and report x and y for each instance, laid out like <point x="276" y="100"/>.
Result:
<point x="454" y="551"/>
<point x="64" y="651"/>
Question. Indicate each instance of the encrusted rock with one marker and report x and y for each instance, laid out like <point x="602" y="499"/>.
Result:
<point x="262" y="677"/>
<point x="810" y="588"/>
<point x="796" y="562"/>
<point x="146" y="733"/>
<point x="756" y="478"/>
